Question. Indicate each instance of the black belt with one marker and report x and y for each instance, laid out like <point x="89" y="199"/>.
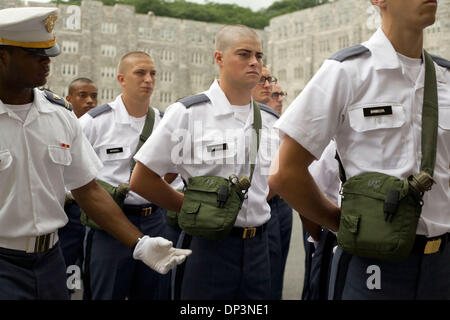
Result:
<point x="143" y="210"/>
<point x="424" y="245"/>
<point x="248" y="232"/>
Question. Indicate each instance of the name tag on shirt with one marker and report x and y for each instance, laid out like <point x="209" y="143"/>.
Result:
<point x="114" y="150"/>
<point x="377" y="111"/>
<point x="217" y="147"/>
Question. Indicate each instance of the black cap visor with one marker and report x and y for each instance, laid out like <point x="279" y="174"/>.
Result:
<point x="45" y="52"/>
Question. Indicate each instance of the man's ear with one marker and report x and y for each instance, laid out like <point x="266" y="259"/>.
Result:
<point x="218" y="56"/>
<point x="379" y="3"/>
<point x="120" y="78"/>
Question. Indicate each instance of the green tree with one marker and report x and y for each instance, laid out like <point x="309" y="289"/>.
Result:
<point x="212" y="12"/>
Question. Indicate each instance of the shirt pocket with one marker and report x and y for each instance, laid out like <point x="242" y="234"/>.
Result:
<point x="444" y="118"/>
<point x="114" y="153"/>
<point x="60" y="155"/>
<point x="378" y="139"/>
<point x="5" y="159"/>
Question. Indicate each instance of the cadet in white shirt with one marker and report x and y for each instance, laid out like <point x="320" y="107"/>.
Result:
<point x="386" y="72"/>
<point x="114" y="131"/>
<point x="203" y="135"/>
<point x="42" y="149"/>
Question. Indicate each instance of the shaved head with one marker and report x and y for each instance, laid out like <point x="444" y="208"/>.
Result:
<point x="228" y="35"/>
<point x="126" y="60"/>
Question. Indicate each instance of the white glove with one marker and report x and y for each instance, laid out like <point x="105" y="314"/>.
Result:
<point x="159" y="254"/>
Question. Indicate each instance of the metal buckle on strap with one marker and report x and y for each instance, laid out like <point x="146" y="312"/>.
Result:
<point x="146" y="211"/>
<point x="249" y="232"/>
<point x="41" y="243"/>
<point x="432" y="246"/>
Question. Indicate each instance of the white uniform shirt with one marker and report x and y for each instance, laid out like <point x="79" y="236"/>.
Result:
<point x="114" y="135"/>
<point x="325" y="172"/>
<point x="191" y="132"/>
<point x="37" y="157"/>
<point x="332" y="103"/>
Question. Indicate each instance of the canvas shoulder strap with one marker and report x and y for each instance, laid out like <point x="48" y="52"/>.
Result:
<point x="430" y="114"/>
<point x="146" y="132"/>
<point x="257" y="125"/>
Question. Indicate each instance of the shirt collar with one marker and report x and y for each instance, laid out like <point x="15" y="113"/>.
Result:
<point x="385" y="56"/>
<point x="221" y="105"/>
<point x="40" y="102"/>
<point x="120" y="111"/>
<point x="382" y="51"/>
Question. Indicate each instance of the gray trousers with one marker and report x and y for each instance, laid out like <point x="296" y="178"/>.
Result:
<point x="33" y="276"/>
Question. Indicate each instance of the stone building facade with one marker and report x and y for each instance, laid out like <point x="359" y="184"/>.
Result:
<point x="93" y="37"/>
<point x="299" y="42"/>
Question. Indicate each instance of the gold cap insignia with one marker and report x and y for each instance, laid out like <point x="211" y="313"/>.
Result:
<point x="50" y="22"/>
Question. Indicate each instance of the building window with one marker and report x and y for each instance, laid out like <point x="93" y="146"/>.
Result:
<point x="107" y="94"/>
<point x="324" y="46"/>
<point x="298" y="50"/>
<point x="108" y="51"/>
<point x="144" y="32"/>
<point x="167" y="55"/>
<point x="166" y="76"/>
<point x="69" y="69"/>
<point x="197" y="80"/>
<point x="166" y="34"/>
<point x="344" y="42"/>
<point x="70" y="47"/>
<point x="108" y="72"/>
<point x="344" y="18"/>
<point x="197" y="58"/>
<point x="324" y="22"/>
<point x="282" y="53"/>
<point x="108" y="27"/>
<point x="298" y="27"/>
<point x="165" y="97"/>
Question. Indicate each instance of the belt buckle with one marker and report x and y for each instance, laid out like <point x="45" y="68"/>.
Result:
<point x="432" y="246"/>
<point x="146" y="211"/>
<point x="41" y="243"/>
<point x="249" y="232"/>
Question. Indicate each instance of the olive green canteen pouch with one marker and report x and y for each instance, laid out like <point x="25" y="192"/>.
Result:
<point x="380" y="213"/>
<point x="210" y="207"/>
<point x="379" y="217"/>
<point x="211" y="203"/>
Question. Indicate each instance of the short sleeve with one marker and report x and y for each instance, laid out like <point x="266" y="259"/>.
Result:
<point x="85" y="163"/>
<point x="313" y="118"/>
<point x="160" y="153"/>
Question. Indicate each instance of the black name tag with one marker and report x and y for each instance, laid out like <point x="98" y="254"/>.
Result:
<point x="377" y="111"/>
<point x="217" y="147"/>
<point x="114" y="150"/>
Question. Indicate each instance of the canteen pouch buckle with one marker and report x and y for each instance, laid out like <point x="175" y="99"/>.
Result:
<point x="379" y="217"/>
<point x="210" y="207"/>
<point x="118" y="193"/>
